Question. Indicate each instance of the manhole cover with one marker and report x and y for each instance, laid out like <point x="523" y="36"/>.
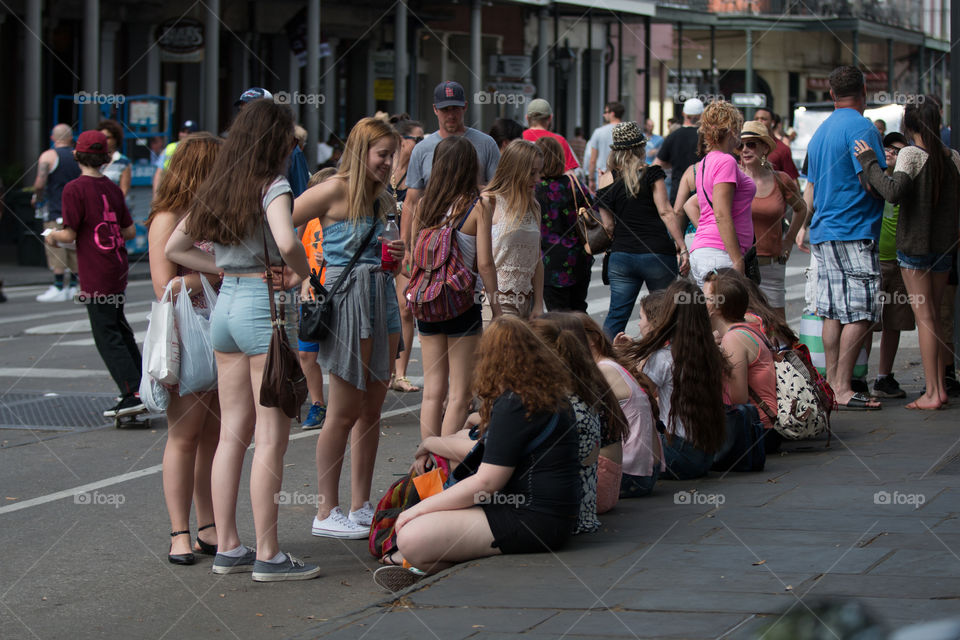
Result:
<point x="55" y="412"/>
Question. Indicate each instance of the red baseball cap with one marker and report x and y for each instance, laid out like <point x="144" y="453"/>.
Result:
<point x="91" y="141"/>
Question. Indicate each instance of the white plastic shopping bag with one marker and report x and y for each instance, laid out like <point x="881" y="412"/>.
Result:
<point x="153" y="395"/>
<point x="198" y="368"/>
<point x="161" y="347"/>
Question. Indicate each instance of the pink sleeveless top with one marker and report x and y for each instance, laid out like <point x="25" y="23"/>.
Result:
<point x="641" y="445"/>
<point x="761" y="373"/>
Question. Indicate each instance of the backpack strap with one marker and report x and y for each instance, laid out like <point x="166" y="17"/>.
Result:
<point x="753" y="335"/>
<point x="536" y="442"/>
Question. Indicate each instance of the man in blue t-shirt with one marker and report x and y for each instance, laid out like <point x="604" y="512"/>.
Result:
<point x="844" y="232"/>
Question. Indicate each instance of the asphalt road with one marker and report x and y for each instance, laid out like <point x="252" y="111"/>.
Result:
<point x="82" y="518"/>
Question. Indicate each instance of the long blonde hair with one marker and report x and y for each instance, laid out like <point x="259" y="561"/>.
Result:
<point x="512" y="181"/>
<point x="353" y="169"/>
<point x="631" y="165"/>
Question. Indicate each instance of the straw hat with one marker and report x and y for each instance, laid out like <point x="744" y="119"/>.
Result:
<point x="757" y="130"/>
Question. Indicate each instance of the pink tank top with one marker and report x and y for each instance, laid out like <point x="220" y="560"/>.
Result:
<point x="761" y="373"/>
<point x="641" y="445"/>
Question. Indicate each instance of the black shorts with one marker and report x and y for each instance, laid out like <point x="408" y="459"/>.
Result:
<point x="468" y="323"/>
<point x="525" y="531"/>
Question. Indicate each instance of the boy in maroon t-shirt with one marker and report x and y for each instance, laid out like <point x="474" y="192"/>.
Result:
<point x="95" y="216"/>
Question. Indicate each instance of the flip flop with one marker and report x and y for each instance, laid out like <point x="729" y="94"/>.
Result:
<point x="403" y="385"/>
<point x="859" y="402"/>
<point x="389" y="561"/>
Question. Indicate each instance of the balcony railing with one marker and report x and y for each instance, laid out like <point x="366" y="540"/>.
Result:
<point x="900" y="13"/>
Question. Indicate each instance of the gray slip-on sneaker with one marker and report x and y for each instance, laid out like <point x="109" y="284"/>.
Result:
<point x="223" y="565"/>
<point x="289" y="569"/>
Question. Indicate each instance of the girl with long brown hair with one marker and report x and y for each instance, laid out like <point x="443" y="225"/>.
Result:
<point x="365" y="327"/>
<point x="596" y="411"/>
<point x="639" y="461"/>
<point x="681" y="357"/>
<point x="926" y="183"/>
<point x="516" y="230"/>
<point x="242" y="205"/>
<point x="193" y="419"/>
<point x="448" y="348"/>
<point x="523" y="497"/>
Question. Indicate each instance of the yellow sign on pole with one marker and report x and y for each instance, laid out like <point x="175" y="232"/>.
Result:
<point x="383" y="88"/>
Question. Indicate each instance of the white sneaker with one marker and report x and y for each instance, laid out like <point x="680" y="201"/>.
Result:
<point x="70" y="293"/>
<point x="337" y="525"/>
<point x="362" y="516"/>
<point x="53" y="295"/>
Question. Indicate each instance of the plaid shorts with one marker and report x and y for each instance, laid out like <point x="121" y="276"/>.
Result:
<point x="848" y="280"/>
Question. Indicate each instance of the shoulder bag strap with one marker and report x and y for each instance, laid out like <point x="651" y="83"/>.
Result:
<point x="268" y="274"/>
<point x="356" y="254"/>
<point x="536" y="442"/>
<point x="573" y="188"/>
<point x="703" y="170"/>
<point x="763" y="406"/>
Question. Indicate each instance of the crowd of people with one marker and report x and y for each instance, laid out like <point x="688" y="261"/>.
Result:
<point x="547" y="418"/>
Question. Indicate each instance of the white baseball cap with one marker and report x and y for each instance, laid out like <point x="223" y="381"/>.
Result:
<point x="692" y="107"/>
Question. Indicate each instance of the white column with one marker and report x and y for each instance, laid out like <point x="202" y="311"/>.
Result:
<point x="90" y="81"/>
<point x="211" y="67"/>
<point x="330" y="124"/>
<point x="312" y="114"/>
<point x="476" y="61"/>
<point x="543" y="58"/>
<point x="108" y="49"/>
<point x="32" y="111"/>
<point x="401" y="64"/>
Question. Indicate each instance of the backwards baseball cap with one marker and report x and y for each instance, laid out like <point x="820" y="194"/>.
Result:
<point x="253" y="93"/>
<point x="539" y="108"/>
<point x="692" y="107"/>
<point x="190" y="125"/>
<point x="91" y="141"/>
<point x="449" y="94"/>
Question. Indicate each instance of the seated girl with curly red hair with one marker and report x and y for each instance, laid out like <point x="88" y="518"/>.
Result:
<point x="524" y="496"/>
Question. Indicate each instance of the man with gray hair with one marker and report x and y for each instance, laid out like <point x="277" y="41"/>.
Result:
<point x="55" y="168"/>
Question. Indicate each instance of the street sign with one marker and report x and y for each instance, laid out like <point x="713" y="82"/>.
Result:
<point x="516" y="88"/>
<point x="510" y="66"/>
<point x="755" y="100"/>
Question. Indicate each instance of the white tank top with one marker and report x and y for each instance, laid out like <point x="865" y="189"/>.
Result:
<point x="516" y="252"/>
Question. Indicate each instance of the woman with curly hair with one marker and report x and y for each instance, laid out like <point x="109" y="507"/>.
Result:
<point x="680" y="356"/>
<point x="524" y="495"/>
<point x="724" y="193"/>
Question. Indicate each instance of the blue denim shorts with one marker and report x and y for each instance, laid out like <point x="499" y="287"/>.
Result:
<point x="934" y="262"/>
<point x="241" y="319"/>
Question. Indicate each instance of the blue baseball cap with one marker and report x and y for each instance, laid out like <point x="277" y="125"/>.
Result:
<point x="190" y="125"/>
<point x="449" y="94"/>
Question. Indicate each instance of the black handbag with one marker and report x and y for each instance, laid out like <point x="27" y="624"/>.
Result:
<point x="283" y="384"/>
<point x="596" y="240"/>
<point x="315" y="314"/>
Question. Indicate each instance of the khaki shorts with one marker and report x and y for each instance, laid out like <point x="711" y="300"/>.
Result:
<point x="58" y="257"/>
<point x="896" y="313"/>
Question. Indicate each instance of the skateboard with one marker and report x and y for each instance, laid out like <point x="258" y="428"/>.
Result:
<point x="140" y="420"/>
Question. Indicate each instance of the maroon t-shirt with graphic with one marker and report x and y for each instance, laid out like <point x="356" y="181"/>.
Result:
<point x="95" y="209"/>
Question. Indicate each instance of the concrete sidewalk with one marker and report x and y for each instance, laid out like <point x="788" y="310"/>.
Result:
<point x="872" y="518"/>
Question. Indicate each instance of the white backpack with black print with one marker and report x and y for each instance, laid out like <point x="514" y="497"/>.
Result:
<point x="799" y="414"/>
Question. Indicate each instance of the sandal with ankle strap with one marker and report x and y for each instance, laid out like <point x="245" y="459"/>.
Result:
<point x="206" y="548"/>
<point x="180" y="558"/>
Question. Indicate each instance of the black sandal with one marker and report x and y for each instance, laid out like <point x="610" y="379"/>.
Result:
<point x="180" y="558"/>
<point x="206" y="548"/>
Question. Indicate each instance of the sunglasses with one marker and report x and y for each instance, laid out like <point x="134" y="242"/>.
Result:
<point x="750" y="145"/>
<point x="892" y="150"/>
<point x="416" y="139"/>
